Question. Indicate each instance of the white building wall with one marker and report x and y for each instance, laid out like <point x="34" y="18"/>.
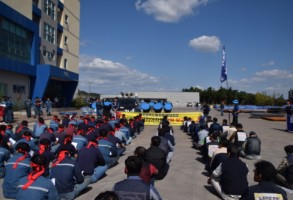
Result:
<point x="19" y="95"/>
<point x="22" y="6"/>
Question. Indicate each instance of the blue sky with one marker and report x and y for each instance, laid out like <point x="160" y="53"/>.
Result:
<point x="168" y="45"/>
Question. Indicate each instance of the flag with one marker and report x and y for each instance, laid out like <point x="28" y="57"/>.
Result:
<point x="224" y="67"/>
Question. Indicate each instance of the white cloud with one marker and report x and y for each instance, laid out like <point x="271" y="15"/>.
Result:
<point x="206" y="43"/>
<point x="105" y="76"/>
<point x="243" y="69"/>
<point x="169" y="10"/>
<point x="268" y="64"/>
<point x="275" y="73"/>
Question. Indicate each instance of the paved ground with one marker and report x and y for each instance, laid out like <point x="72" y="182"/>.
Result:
<point x="186" y="178"/>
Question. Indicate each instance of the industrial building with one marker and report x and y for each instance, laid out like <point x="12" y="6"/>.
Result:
<point x="39" y="49"/>
<point x="178" y="99"/>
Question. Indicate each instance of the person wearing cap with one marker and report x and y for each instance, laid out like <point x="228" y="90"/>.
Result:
<point x="16" y="168"/>
<point x="235" y="112"/>
<point x="251" y="147"/>
<point x="91" y="161"/>
<point x="35" y="185"/>
<point x="69" y="180"/>
<point x="264" y="174"/>
<point x="284" y="176"/>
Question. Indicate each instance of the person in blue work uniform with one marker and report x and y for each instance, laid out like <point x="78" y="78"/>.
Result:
<point x="39" y="127"/>
<point x="235" y="112"/>
<point x="20" y="129"/>
<point x="69" y="181"/>
<point x="48" y="104"/>
<point x="134" y="187"/>
<point x="79" y="139"/>
<point x="16" y="168"/>
<point x="35" y="186"/>
<point x="99" y="107"/>
<point x="4" y="156"/>
<point x="27" y="138"/>
<point x="107" y="149"/>
<point x="91" y="161"/>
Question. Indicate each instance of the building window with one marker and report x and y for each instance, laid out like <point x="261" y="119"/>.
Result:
<point x="3" y="89"/>
<point x="66" y="19"/>
<point x="65" y="63"/>
<point x="20" y="89"/>
<point x="49" y="8"/>
<point x="65" y="40"/>
<point x="49" y="33"/>
<point x="15" y="41"/>
<point x="49" y="55"/>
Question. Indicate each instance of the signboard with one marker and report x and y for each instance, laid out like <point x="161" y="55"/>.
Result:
<point x="155" y="118"/>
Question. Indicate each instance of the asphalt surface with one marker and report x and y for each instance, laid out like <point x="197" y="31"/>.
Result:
<point x="187" y="178"/>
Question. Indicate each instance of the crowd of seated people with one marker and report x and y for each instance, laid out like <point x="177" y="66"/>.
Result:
<point x="223" y="151"/>
<point x="60" y="159"/>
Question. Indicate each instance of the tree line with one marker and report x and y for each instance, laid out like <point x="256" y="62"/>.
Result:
<point x="213" y="96"/>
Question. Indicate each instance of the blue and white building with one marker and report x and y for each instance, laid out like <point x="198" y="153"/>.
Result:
<point x="39" y="49"/>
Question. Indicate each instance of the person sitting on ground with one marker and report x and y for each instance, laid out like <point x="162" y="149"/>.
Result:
<point x="238" y="137"/>
<point x="49" y="134"/>
<point x="108" y="149"/>
<point x="157" y="157"/>
<point x="215" y="127"/>
<point x="4" y="156"/>
<point x="27" y="138"/>
<point x="219" y="155"/>
<point x="134" y="187"/>
<point x="148" y="171"/>
<point x="209" y="148"/>
<point x="285" y="169"/>
<point x="54" y="123"/>
<point x="67" y="144"/>
<point x="79" y="139"/>
<point x="201" y="135"/>
<point x="39" y="128"/>
<point x="16" y="168"/>
<point x="166" y="143"/>
<point x="91" y="161"/>
<point x="107" y="195"/>
<point x="35" y="185"/>
<point x="251" y="147"/>
<point x="45" y="150"/>
<point x="225" y="127"/>
<point x="69" y="181"/>
<point x="5" y="143"/>
<point x="264" y="174"/>
<point x="229" y="179"/>
<point x="120" y="147"/>
<point x="20" y="129"/>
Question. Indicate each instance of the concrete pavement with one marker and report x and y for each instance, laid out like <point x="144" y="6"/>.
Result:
<point x="186" y="178"/>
